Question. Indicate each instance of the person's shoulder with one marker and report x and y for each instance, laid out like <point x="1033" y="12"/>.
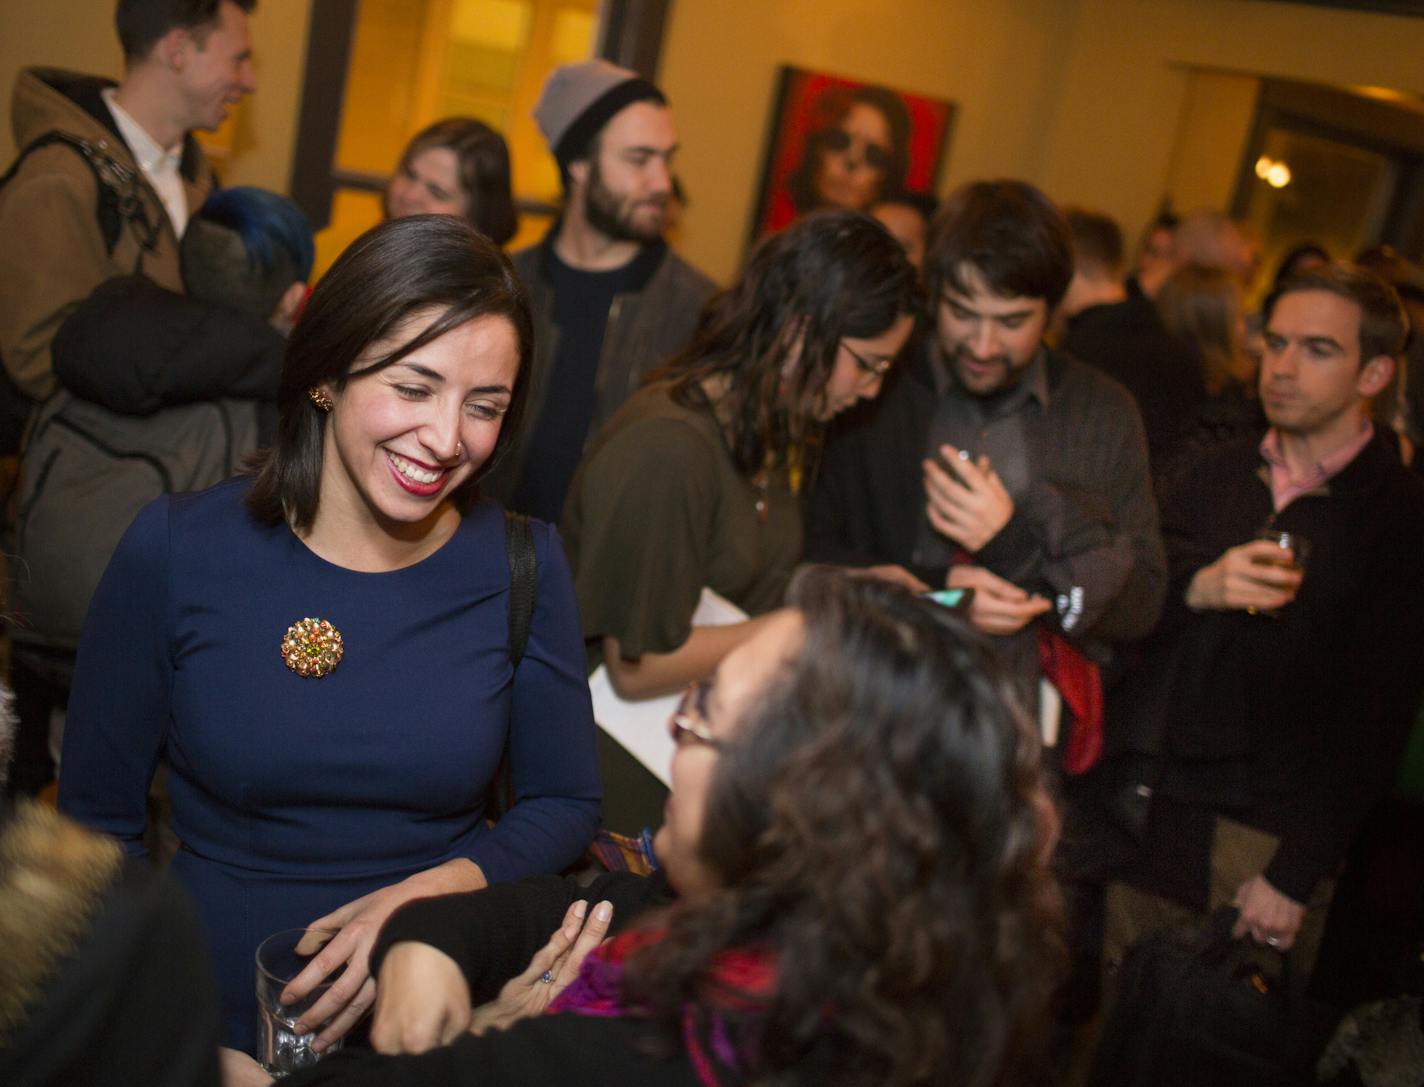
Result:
<point x="653" y="437"/>
<point x="526" y="260"/>
<point x="1086" y="387"/>
<point x="687" y="275"/>
<point x="220" y="510"/>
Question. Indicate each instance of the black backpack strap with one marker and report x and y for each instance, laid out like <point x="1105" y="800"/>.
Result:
<point x="523" y="581"/>
<point x="523" y="589"/>
<point x="119" y="202"/>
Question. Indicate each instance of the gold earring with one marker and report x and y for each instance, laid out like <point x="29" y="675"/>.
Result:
<point x="320" y="397"/>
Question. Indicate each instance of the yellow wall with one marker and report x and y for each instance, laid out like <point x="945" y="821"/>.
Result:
<point x="1083" y="97"/>
<point x="1218" y="110"/>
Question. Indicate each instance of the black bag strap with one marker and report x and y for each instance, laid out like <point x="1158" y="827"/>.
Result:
<point x="119" y="202"/>
<point x="523" y="581"/>
<point x="523" y="589"/>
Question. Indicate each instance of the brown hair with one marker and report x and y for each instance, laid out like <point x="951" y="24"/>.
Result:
<point x="141" y="23"/>
<point x="482" y="159"/>
<point x="830" y="275"/>
<point x="1201" y="306"/>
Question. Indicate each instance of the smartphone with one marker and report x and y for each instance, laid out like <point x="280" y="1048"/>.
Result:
<point x="954" y="599"/>
<point x="951" y="465"/>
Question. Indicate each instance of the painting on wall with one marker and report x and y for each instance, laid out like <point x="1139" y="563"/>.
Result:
<point x="837" y="142"/>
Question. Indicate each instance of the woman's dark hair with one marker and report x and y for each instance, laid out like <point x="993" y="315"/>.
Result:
<point x="397" y="270"/>
<point x="482" y="159"/>
<point x="831" y="275"/>
<point x="878" y="825"/>
<point x="828" y="112"/>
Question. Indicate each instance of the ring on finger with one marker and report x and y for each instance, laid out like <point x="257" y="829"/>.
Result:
<point x="547" y="977"/>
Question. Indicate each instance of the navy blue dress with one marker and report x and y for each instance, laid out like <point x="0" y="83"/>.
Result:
<point x="292" y="796"/>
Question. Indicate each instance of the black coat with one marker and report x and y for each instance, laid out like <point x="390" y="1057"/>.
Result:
<point x="1292" y="723"/>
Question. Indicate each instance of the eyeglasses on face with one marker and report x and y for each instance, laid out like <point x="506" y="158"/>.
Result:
<point x="688" y="724"/>
<point x="872" y="370"/>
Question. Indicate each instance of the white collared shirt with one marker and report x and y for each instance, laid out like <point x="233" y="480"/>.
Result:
<point x="158" y="164"/>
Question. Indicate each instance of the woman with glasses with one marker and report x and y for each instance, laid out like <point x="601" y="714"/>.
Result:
<point x="854" y="889"/>
<point x="694" y="484"/>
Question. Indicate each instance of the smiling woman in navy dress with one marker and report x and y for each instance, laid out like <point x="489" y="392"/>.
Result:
<point x="322" y="650"/>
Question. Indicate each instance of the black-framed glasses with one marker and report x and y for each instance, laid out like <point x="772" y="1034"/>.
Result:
<point x="872" y="370"/>
<point x="688" y="724"/>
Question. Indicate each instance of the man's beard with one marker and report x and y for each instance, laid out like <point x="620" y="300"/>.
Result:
<point x="605" y="213"/>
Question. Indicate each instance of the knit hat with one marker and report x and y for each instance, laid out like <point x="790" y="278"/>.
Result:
<point x="579" y="99"/>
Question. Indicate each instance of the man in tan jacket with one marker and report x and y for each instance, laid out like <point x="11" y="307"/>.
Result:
<point x="108" y="173"/>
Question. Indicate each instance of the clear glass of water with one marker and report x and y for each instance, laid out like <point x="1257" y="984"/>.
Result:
<point x="280" y="1049"/>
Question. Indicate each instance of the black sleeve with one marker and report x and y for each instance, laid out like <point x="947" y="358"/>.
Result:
<point x="592" y="1051"/>
<point x="493" y="933"/>
<point x="134" y="347"/>
<point x="135" y="1000"/>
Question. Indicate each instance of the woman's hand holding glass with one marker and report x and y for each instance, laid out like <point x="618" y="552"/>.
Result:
<point x="358" y="924"/>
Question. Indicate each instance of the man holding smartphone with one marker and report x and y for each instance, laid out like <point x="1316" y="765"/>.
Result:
<point x="995" y="463"/>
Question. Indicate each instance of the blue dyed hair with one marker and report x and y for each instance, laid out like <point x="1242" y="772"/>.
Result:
<point x="244" y="247"/>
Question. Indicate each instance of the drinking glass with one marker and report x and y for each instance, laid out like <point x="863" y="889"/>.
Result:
<point x="280" y="1049"/>
<point x="1294" y="551"/>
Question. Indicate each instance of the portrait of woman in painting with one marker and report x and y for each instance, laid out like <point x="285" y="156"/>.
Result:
<point x="834" y="142"/>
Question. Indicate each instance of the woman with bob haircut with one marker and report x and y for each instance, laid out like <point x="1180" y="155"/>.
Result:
<point x="853" y="889"/>
<point x="694" y="483"/>
<point x="458" y="166"/>
<point x="322" y="649"/>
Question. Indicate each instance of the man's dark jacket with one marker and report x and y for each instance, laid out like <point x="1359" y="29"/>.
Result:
<point x="1084" y="534"/>
<point x="1293" y="722"/>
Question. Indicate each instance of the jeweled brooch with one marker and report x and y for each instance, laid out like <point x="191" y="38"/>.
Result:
<point x="312" y="647"/>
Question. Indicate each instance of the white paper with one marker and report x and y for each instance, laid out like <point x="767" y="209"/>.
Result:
<point x="641" y="726"/>
<point x="1050" y="712"/>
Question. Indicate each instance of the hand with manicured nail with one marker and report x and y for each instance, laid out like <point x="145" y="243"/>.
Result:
<point x="550" y="970"/>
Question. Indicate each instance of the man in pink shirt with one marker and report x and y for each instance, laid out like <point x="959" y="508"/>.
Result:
<point x="1270" y="708"/>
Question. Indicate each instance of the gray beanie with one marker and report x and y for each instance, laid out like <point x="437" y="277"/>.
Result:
<point x="579" y="99"/>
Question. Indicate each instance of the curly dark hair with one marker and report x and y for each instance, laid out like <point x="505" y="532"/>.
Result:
<point x="830" y="275"/>
<point x="878" y="823"/>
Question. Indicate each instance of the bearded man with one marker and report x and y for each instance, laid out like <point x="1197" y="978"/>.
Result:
<point x="610" y="299"/>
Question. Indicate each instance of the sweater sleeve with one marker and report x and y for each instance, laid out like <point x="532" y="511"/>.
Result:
<point x="1095" y="552"/>
<point x="595" y="1051"/>
<point x="1362" y="744"/>
<point x="134" y="347"/>
<point x="551" y="737"/>
<point x="493" y="933"/>
<point x="121" y="700"/>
